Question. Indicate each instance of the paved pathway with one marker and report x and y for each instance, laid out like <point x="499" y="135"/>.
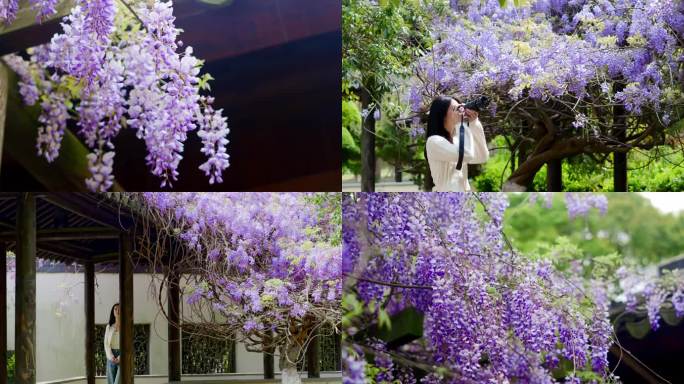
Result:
<point x="406" y="186"/>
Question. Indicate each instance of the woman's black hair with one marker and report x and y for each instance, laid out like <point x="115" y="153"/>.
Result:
<point x="438" y="111"/>
<point x="112" y="319"/>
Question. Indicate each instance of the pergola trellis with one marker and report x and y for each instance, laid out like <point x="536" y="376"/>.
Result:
<point x="85" y="229"/>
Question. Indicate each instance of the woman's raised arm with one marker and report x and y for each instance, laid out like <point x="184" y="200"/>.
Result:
<point x="480" y="152"/>
<point x="441" y="149"/>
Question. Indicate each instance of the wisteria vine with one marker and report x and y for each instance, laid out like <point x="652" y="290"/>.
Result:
<point x="118" y="65"/>
<point x="263" y="269"/>
<point x="578" y="76"/>
<point x="490" y="314"/>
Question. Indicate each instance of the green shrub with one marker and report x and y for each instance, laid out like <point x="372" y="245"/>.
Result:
<point x="10" y="367"/>
<point x="580" y="173"/>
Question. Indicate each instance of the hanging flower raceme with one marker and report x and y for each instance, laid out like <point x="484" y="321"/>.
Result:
<point x="543" y="51"/>
<point x="650" y="293"/>
<point x="489" y="314"/>
<point x="117" y="67"/>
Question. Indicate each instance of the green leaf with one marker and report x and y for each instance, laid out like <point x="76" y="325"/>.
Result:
<point x="638" y="329"/>
<point x="204" y="82"/>
<point x="384" y="320"/>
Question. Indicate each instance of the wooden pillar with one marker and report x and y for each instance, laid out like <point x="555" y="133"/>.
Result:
<point x="619" y="172"/>
<point x="269" y="361"/>
<point x="126" y="307"/>
<point x="3" y="313"/>
<point x="25" y="312"/>
<point x="620" y="133"/>
<point x="554" y="175"/>
<point x="4" y="92"/>
<point x="90" y="322"/>
<point x="174" y="334"/>
<point x="313" y="358"/>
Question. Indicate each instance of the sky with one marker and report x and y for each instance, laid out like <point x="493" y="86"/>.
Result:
<point x="666" y="201"/>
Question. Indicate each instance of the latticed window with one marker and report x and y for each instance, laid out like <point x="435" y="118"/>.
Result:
<point x="141" y="345"/>
<point x="329" y="352"/>
<point x="331" y="347"/>
<point x="205" y="354"/>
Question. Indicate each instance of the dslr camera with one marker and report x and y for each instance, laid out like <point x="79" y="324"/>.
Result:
<point x="478" y="104"/>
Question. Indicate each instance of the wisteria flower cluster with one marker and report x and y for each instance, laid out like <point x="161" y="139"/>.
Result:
<point x="650" y="293"/>
<point x="117" y="67"/>
<point x="490" y="314"/>
<point x="577" y="204"/>
<point x="546" y="49"/>
<point x="43" y="8"/>
<point x="269" y="264"/>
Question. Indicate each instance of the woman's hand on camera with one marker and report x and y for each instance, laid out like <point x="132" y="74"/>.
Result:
<point x="471" y="115"/>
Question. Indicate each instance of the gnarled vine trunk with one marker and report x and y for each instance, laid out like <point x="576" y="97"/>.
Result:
<point x="289" y="355"/>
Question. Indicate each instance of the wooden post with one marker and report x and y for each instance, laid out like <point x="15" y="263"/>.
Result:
<point x="269" y="361"/>
<point x="4" y="91"/>
<point x="174" y="334"/>
<point x="619" y="172"/>
<point x="126" y="307"/>
<point x="313" y="358"/>
<point x="554" y="175"/>
<point x="620" y="133"/>
<point x="3" y="313"/>
<point x="90" y="322"/>
<point x="25" y="313"/>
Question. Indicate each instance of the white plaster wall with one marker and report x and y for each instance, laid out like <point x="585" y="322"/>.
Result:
<point x="10" y="313"/>
<point x="60" y="324"/>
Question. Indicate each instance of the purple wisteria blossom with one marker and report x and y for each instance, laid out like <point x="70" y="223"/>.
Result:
<point x="268" y="263"/>
<point x="110" y="75"/>
<point x="490" y="314"/>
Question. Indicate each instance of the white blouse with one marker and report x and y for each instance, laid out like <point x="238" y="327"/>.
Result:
<point x="443" y="156"/>
<point x="109" y="342"/>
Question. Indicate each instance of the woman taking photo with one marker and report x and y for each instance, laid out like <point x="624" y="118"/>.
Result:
<point x="442" y="145"/>
<point x="111" y="345"/>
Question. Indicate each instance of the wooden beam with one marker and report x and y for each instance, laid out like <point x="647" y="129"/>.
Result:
<point x="25" y="32"/>
<point x="126" y="308"/>
<point x="174" y="334"/>
<point x="269" y="22"/>
<point x="26" y="17"/>
<point x="61" y="252"/>
<point x="90" y="322"/>
<point x="313" y="357"/>
<point x="66" y="173"/>
<point x="636" y="366"/>
<point x="85" y="205"/>
<point x="105" y="257"/>
<point x="3" y="313"/>
<point x="25" y="312"/>
<point x="66" y="234"/>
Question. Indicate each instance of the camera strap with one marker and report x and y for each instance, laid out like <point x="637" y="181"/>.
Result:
<point x="461" y="145"/>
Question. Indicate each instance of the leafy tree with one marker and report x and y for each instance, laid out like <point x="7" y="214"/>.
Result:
<point x="566" y="77"/>
<point x="380" y="41"/>
<point x="660" y="169"/>
<point x="631" y="227"/>
<point x="351" y="135"/>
